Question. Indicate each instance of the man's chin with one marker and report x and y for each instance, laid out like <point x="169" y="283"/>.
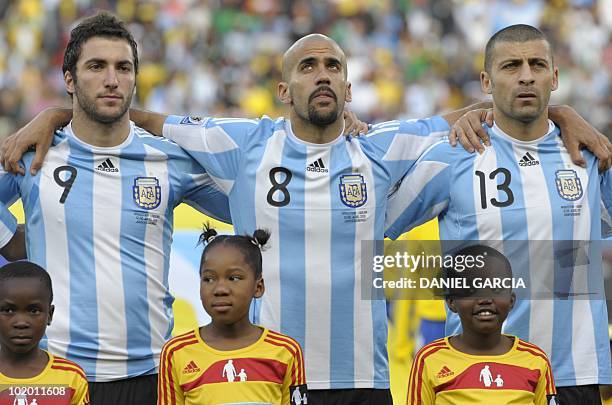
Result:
<point x="323" y="118"/>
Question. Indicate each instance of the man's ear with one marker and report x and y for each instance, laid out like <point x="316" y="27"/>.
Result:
<point x="555" y="79"/>
<point x="69" y="82"/>
<point x="485" y="82"/>
<point x="283" y="93"/>
<point x="348" y="97"/>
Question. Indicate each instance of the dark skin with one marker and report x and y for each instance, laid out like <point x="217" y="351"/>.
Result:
<point x="482" y="314"/>
<point x="25" y="313"/>
<point x="15" y="249"/>
<point x="227" y="287"/>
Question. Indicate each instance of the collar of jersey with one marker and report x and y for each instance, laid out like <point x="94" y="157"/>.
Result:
<point x="31" y="379"/>
<point x="498" y="131"/>
<point x="294" y="138"/>
<point x="208" y="348"/>
<point x="68" y="130"/>
<point x="482" y="356"/>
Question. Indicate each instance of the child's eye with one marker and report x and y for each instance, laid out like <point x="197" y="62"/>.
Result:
<point x="6" y="310"/>
<point x="206" y="279"/>
<point x="235" y="278"/>
<point x="35" y="311"/>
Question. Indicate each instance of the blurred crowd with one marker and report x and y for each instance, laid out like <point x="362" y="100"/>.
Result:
<point x="407" y="58"/>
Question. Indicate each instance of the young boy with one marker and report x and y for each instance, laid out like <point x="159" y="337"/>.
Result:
<point x="230" y="360"/>
<point x="28" y="374"/>
<point x="481" y="365"/>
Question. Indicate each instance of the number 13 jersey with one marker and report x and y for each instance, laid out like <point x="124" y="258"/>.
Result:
<point x="319" y="201"/>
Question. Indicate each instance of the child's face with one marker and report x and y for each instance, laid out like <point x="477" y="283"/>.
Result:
<point x="228" y="284"/>
<point x="25" y="312"/>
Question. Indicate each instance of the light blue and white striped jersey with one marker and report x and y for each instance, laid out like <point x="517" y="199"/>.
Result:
<point x="523" y="191"/>
<point x="100" y="221"/>
<point x="319" y="201"/>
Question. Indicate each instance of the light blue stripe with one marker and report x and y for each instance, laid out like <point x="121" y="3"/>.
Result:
<point x="133" y="271"/>
<point x="342" y="338"/>
<point x="84" y="339"/>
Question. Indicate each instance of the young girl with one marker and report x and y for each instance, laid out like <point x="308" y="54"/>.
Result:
<point x="230" y="360"/>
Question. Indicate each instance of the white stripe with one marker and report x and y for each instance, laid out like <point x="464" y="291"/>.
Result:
<point x="56" y="244"/>
<point x="410" y="147"/>
<point x="394" y="123"/>
<point x="200" y="139"/>
<point x="112" y="328"/>
<point x="488" y="220"/>
<point x="159" y="319"/>
<point x="362" y="314"/>
<point x="268" y="218"/>
<point x="317" y="249"/>
<point x="384" y="130"/>
<point x="584" y="354"/>
<point x="234" y="120"/>
<point x="539" y="219"/>
<point x="411" y="187"/>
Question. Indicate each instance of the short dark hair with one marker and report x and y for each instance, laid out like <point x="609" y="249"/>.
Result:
<point x="25" y="269"/>
<point x="513" y="33"/>
<point x="250" y="246"/>
<point x="102" y="24"/>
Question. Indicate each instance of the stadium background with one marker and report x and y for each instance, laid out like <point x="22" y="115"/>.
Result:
<point x="406" y="59"/>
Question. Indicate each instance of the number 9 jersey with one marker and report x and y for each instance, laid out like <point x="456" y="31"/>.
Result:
<point x="319" y="201"/>
<point x="521" y="192"/>
<point x="99" y="220"/>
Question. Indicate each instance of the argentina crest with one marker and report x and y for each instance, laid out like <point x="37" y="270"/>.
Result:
<point x="353" y="191"/>
<point x="568" y="184"/>
<point x="147" y="192"/>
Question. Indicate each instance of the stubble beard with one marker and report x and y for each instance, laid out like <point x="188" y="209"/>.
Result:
<point x="89" y="107"/>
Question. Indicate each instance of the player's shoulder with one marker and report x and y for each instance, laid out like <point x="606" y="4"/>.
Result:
<point x="182" y="340"/>
<point x="283" y="341"/>
<point x="431" y="349"/>
<point x="60" y="364"/>
<point x="530" y="348"/>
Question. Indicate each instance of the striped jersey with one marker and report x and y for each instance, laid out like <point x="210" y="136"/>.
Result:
<point x="523" y="191"/>
<point x="100" y="221"/>
<point x="319" y="201"/>
<point x="62" y="382"/>
<point x="443" y="375"/>
<point x="270" y="371"/>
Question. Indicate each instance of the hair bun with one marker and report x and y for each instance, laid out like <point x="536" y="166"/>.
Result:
<point x="208" y="234"/>
<point x="261" y="237"/>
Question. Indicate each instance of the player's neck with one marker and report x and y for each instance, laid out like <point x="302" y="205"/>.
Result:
<point x="100" y="134"/>
<point x="230" y="336"/>
<point x="482" y="344"/>
<point x="23" y="365"/>
<point x="308" y="132"/>
<point x="523" y="131"/>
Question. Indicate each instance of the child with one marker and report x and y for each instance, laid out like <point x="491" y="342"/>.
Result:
<point x="481" y="365"/>
<point x="231" y="360"/>
<point x="28" y="374"/>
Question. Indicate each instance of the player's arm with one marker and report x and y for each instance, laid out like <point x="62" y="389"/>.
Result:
<point x="294" y="383"/>
<point x="12" y="236"/>
<point x="423" y="194"/>
<point x="15" y="249"/>
<point x="81" y="392"/>
<point x="545" y="390"/>
<point x="420" y="388"/>
<point x="169" y="391"/>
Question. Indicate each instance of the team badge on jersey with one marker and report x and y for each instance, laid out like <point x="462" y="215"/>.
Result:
<point x="147" y="192"/>
<point x="353" y="190"/>
<point x="568" y="184"/>
<point x="191" y="121"/>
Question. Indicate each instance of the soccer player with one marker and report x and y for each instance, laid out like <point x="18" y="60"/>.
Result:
<point x="200" y="367"/>
<point x="320" y="194"/>
<point x="460" y="369"/>
<point x="99" y="218"/>
<point x="524" y="187"/>
<point x="28" y="373"/>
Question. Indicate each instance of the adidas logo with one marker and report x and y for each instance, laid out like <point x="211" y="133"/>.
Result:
<point x="191" y="367"/>
<point x="528" y="160"/>
<point x="317" y="166"/>
<point x="444" y="372"/>
<point x="107" y="166"/>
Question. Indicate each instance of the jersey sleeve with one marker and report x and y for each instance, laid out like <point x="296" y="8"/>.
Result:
<point x="215" y="143"/>
<point x="81" y="392"/>
<point x="401" y="143"/>
<point x="294" y="386"/>
<point x="420" y="387"/>
<point x="605" y="181"/>
<point x="422" y="194"/>
<point x="169" y="391"/>
<point x="9" y="193"/>
<point x="545" y="390"/>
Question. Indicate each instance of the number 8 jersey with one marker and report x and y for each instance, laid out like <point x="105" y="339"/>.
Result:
<point x="99" y="220"/>
<point x="522" y="191"/>
<point x="319" y="201"/>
